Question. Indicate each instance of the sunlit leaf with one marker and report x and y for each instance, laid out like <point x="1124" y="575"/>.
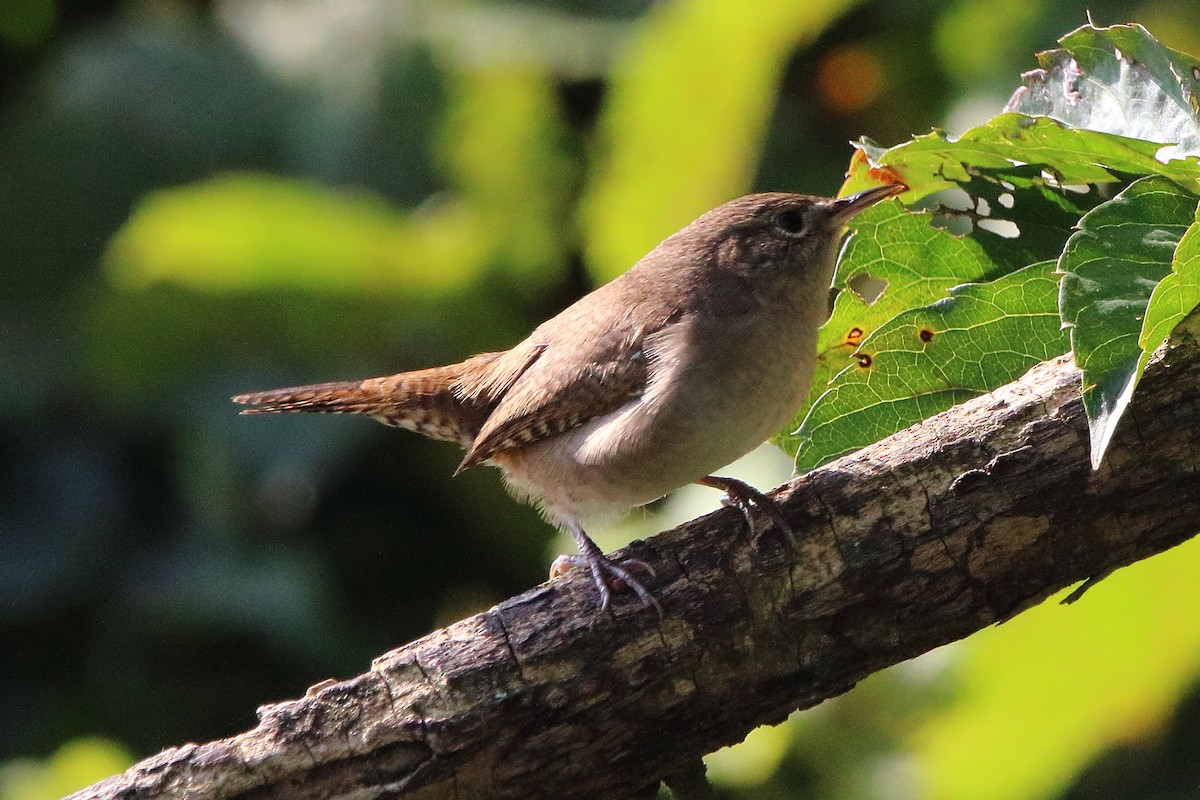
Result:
<point x="505" y="153"/>
<point x="504" y="145"/>
<point x="73" y="766"/>
<point x="926" y="360"/>
<point x="937" y="161"/>
<point x="1105" y="103"/>
<point x="239" y="232"/>
<point x="1137" y="96"/>
<point x="1175" y="296"/>
<point x="991" y="54"/>
<point x="1117" y="80"/>
<point x="751" y="761"/>
<point x="1042" y="695"/>
<point x="1111" y="266"/>
<point x="687" y="109"/>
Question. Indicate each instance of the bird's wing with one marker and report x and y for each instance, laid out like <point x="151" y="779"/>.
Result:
<point x="562" y="386"/>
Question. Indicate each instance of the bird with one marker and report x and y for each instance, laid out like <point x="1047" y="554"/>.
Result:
<point x="694" y="356"/>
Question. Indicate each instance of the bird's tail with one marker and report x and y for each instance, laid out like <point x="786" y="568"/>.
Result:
<point x="424" y="401"/>
<point x="339" y="397"/>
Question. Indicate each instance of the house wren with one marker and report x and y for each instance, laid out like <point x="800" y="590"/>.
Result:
<point x="683" y="364"/>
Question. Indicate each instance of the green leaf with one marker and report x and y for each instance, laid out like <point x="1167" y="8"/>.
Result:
<point x="918" y="257"/>
<point x="253" y="231"/>
<point x="1111" y="266"/>
<point x="505" y="146"/>
<point x="936" y="161"/>
<point x="1139" y="97"/>
<point x="928" y="359"/>
<point x="1175" y="296"/>
<point x="1057" y="687"/>
<point x="1117" y="80"/>
<point x="74" y="765"/>
<point x="687" y="109"/>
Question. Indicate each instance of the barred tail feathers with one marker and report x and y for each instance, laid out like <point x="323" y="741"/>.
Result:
<point x="423" y="401"/>
<point x="338" y="397"/>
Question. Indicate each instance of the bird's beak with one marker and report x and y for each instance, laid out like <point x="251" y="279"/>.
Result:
<point x="844" y="208"/>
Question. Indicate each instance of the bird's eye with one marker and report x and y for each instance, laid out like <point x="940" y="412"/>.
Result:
<point x="790" y="222"/>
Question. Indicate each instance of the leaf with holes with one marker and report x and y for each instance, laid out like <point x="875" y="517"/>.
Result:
<point x="1117" y="80"/>
<point x="936" y="161"/>
<point x="1111" y="266"/>
<point x="928" y="359"/>
<point x="897" y="260"/>
<point x="1008" y="189"/>
<point x="1111" y="101"/>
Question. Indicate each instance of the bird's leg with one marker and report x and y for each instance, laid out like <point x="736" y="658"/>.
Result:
<point x="746" y="497"/>
<point x="603" y="568"/>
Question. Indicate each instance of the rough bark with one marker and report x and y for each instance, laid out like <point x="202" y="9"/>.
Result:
<point x="932" y="534"/>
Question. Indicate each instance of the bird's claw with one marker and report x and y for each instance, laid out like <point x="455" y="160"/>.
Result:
<point x="746" y="498"/>
<point x="609" y="575"/>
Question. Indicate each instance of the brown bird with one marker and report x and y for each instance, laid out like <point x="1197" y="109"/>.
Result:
<point x="683" y="364"/>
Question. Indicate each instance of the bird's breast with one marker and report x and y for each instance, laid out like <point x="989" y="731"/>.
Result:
<point x="717" y="389"/>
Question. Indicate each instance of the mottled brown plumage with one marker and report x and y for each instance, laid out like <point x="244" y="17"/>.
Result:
<point x="696" y="355"/>
<point x="431" y="402"/>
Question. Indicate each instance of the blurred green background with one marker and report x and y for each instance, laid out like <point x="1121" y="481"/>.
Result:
<point x="207" y="197"/>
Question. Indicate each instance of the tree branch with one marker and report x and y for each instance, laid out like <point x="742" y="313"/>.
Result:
<point x="919" y="540"/>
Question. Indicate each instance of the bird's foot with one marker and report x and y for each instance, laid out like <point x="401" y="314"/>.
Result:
<point x="606" y="573"/>
<point x="746" y="498"/>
